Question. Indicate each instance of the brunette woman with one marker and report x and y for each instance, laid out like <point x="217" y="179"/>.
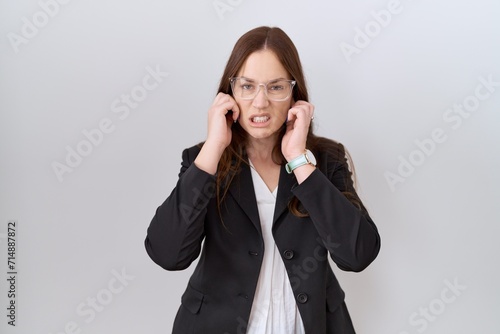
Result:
<point x="265" y="201"/>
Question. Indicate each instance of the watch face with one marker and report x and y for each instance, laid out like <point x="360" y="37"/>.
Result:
<point x="311" y="157"/>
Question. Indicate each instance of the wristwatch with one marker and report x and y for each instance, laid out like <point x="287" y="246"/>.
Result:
<point x="303" y="159"/>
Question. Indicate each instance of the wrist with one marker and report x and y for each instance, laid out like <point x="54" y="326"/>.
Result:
<point x="294" y="155"/>
<point x="303" y="172"/>
<point x="209" y="156"/>
<point x="214" y="147"/>
<point x="305" y="158"/>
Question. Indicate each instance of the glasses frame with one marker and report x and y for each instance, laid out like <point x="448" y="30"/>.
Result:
<point x="291" y="82"/>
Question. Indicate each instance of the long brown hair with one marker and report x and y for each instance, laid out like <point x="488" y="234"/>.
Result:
<point x="276" y="40"/>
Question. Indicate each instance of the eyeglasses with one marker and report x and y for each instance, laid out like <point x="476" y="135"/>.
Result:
<point x="275" y="90"/>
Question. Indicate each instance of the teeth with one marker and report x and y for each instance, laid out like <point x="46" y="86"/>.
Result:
<point x="260" y="119"/>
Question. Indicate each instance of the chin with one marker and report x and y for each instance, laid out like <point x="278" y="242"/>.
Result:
<point x="262" y="133"/>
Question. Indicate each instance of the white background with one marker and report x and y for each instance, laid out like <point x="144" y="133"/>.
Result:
<point x="440" y="224"/>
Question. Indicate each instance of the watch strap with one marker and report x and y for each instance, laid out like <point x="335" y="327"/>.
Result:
<point x="296" y="163"/>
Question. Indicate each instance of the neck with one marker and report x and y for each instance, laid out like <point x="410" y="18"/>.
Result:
<point x="261" y="149"/>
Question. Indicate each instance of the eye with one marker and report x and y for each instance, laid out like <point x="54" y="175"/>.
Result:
<point x="276" y="87"/>
<point x="246" y="86"/>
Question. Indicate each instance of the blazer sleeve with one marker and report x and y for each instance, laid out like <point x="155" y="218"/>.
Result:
<point x="176" y="231"/>
<point x="347" y="231"/>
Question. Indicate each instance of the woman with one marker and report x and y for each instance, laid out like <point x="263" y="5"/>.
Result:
<point x="270" y="200"/>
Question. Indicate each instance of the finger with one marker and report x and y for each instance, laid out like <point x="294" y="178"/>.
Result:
<point x="222" y="98"/>
<point x="298" y="114"/>
<point x="306" y="106"/>
<point x="302" y="102"/>
<point x="225" y="103"/>
<point x="229" y="121"/>
<point x="217" y="99"/>
<point x="289" y="125"/>
<point x="236" y="109"/>
<point x="227" y="106"/>
<point x="291" y="116"/>
<point x="304" y="112"/>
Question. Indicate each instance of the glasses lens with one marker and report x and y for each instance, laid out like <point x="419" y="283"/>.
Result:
<point x="248" y="89"/>
<point x="279" y="90"/>
<point x="244" y="88"/>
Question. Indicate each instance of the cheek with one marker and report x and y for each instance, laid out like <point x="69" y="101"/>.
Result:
<point x="244" y="107"/>
<point x="283" y="116"/>
<point x="283" y="111"/>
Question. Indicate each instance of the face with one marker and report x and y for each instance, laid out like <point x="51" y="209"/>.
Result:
<point x="261" y="117"/>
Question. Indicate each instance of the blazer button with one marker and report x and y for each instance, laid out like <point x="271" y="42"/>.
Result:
<point x="288" y="254"/>
<point x="253" y="253"/>
<point x="302" y="298"/>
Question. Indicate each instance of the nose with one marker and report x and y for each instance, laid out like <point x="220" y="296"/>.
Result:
<point x="260" y="100"/>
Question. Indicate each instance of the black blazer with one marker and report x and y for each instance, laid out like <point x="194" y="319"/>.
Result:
<point x="219" y="295"/>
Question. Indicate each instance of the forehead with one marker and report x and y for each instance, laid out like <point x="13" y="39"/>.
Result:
<point x="263" y="66"/>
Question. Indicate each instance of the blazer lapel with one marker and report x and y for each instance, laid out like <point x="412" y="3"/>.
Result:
<point x="242" y="190"/>
<point x="285" y="185"/>
<point x="243" y="193"/>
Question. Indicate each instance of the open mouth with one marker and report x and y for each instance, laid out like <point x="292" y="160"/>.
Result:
<point x="260" y="119"/>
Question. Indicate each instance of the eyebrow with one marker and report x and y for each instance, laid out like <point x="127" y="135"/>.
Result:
<point x="270" y="81"/>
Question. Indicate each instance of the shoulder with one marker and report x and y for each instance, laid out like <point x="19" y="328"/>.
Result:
<point x="189" y="154"/>
<point x="328" y="151"/>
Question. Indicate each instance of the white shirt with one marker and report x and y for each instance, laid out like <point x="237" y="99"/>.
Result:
<point x="274" y="309"/>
